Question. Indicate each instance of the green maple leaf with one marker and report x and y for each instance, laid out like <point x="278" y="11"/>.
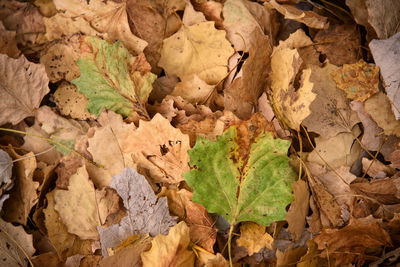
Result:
<point x="242" y="180"/>
<point x="106" y="80"/>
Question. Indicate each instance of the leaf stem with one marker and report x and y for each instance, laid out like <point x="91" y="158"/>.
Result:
<point x="229" y="244"/>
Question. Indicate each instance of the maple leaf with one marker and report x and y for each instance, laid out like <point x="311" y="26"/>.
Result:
<point x="242" y="179"/>
<point x="22" y="87"/>
<point x="146" y="214"/>
<point x="107" y="80"/>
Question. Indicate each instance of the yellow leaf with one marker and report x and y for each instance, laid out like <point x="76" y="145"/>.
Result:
<point x="198" y="49"/>
<point x="171" y="250"/>
<point x="254" y="238"/>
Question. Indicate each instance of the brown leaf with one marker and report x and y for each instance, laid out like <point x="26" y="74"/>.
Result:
<point x="171" y="250"/>
<point x="385" y="191"/>
<point x="296" y="216"/>
<point x="126" y="257"/>
<point x="290" y="256"/>
<point x="23" y="85"/>
<point x="49" y="259"/>
<point x="8" y="43"/>
<point x="23" y="195"/>
<point x="242" y="95"/>
<point x="347" y="51"/>
<point x="349" y="244"/>
<point x="376" y="169"/>
<point x="159" y="148"/>
<point x="382" y="15"/>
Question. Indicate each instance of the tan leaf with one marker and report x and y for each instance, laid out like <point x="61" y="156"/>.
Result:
<point x="23" y="195"/>
<point x="242" y="95"/>
<point x="208" y="259"/>
<point x="382" y="16"/>
<point x="254" y="238"/>
<point x="65" y="244"/>
<point x="199" y="49"/>
<point x="385" y="117"/>
<point x="289" y="256"/>
<point x="8" y="43"/>
<point x="347" y="51"/>
<point x="113" y="132"/>
<point x="212" y="11"/>
<point x="159" y="148"/>
<point x="107" y="204"/>
<point x="191" y="16"/>
<point x="77" y="206"/>
<point x="291" y="104"/>
<point x="126" y="257"/>
<point x="71" y="103"/>
<point x="194" y="90"/>
<point x="15" y="245"/>
<point x="359" y="81"/>
<point x="309" y="18"/>
<point x="171" y="250"/>
<point x="376" y="169"/>
<point x="296" y="216"/>
<point x="109" y="18"/>
<point x="22" y="87"/>
<point x="330" y="111"/>
<point x="47" y="259"/>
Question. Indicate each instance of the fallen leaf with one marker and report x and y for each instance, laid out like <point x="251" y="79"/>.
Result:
<point x="212" y="11"/>
<point x="71" y="103"/>
<point x="23" y="85"/>
<point x="159" y="148"/>
<point x="312" y="259"/>
<point x="240" y="25"/>
<point x="241" y="182"/>
<point x="191" y="16"/>
<point x="291" y="103"/>
<point x="47" y="259"/>
<point x="385" y="191"/>
<point x="395" y="157"/>
<point x="194" y="90"/>
<point x="199" y="49"/>
<point x="349" y="244"/>
<point x="376" y="169"/>
<point x="77" y="206"/>
<point x="6" y="165"/>
<point x="64" y="243"/>
<point x="382" y="15"/>
<point x="296" y="216"/>
<point x="254" y="238"/>
<point x="309" y="18"/>
<point x="385" y="118"/>
<point x="46" y="7"/>
<point x="386" y="55"/>
<point x="359" y="81"/>
<point x="8" y="43"/>
<point x="242" y="95"/>
<point x="290" y="256"/>
<point x="16" y="245"/>
<point x="126" y="257"/>
<point x="109" y="18"/>
<point x="23" y="195"/>
<point x="170" y="250"/>
<point x="347" y="51"/>
<point x="146" y="214"/>
<point x="107" y="81"/>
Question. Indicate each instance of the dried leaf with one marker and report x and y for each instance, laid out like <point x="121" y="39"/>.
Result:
<point x="146" y="214"/>
<point x="23" y="85"/>
<point x="6" y="166"/>
<point x="242" y="179"/>
<point x="254" y="238"/>
<point x="170" y="250"/>
<point x="194" y="90"/>
<point x="296" y="216"/>
<point x="382" y="15"/>
<point x="126" y="257"/>
<point x="159" y="148"/>
<point x="8" y="43"/>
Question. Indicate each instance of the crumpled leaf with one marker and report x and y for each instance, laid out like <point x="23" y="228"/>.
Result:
<point x="254" y="238"/>
<point x="348" y="244"/>
<point x="359" y="81"/>
<point x="199" y="49"/>
<point x="15" y="245"/>
<point x="159" y="148"/>
<point x="106" y="17"/>
<point x="23" y="195"/>
<point x="385" y="118"/>
<point x="170" y="250"/>
<point x="309" y="18"/>
<point x="107" y="80"/>
<point x="146" y="214"/>
<point x="242" y="179"/>
<point x="386" y="55"/>
<point x="77" y="206"/>
<point x="22" y="87"/>
<point x="291" y="104"/>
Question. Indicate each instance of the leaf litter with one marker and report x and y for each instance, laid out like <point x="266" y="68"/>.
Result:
<point x="192" y="133"/>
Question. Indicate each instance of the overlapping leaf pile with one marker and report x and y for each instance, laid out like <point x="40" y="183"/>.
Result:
<point x="153" y="133"/>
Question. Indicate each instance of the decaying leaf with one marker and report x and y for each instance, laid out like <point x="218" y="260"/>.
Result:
<point x="291" y="104"/>
<point x="77" y="206"/>
<point x="296" y="216"/>
<point x="386" y="55"/>
<point x="6" y="166"/>
<point x="22" y="87"/>
<point x="242" y="179"/>
<point x="199" y="49"/>
<point x="146" y="214"/>
<point x="170" y="250"/>
<point x="254" y="238"/>
<point x="109" y="80"/>
<point x="159" y="148"/>
<point x="359" y="81"/>
<point x="8" y="43"/>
